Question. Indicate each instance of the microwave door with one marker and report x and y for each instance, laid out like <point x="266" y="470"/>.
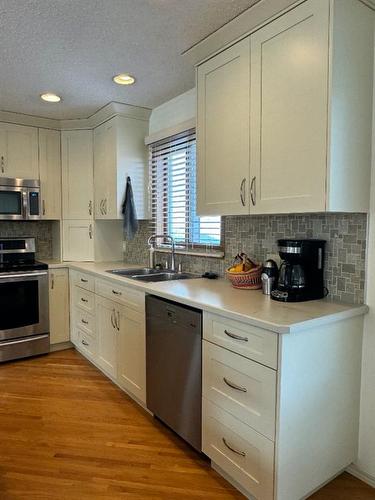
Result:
<point x="33" y="204"/>
<point x="12" y="203"/>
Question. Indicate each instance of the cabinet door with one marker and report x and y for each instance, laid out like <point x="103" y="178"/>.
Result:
<point x="105" y="171"/>
<point x="289" y="81"/>
<point x="59" y="305"/>
<point x="131" y="357"/>
<point x="78" y="242"/>
<point x="107" y="332"/>
<point x="223" y="132"/>
<point x="77" y="174"/>
<point x="50" y="173"/>
<point x="21" y="155"/>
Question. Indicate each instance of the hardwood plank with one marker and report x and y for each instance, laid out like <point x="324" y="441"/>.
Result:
<point x="67" y="432"/>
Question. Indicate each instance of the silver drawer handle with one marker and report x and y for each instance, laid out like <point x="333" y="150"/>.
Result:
<point x="234" y="386"/>
<point x="84" y="300"/>
<point x="85" y="343"/>
<point x="242" y="453"/>
<point x="84" y="322"/>
<point x="84" y="281"/>
<point x="237" y="337"/>
<point x="116" y="293"/>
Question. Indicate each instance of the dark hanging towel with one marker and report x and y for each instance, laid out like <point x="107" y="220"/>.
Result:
<point x="129" y="212"/>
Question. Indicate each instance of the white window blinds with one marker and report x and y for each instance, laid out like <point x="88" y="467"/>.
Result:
<point x="173" y="195"/>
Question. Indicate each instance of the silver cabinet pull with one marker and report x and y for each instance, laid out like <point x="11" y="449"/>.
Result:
<point x="52" y="281"/>
<point x="253" y="194"/>
<point x="243" y="192"/>
<point x="241" y="453"/>
<point x="2" y="165"/>
<point x="90" y="231"/>
<point x="90" y="207"/>
<point x="236" y="337"/>
<point x="85" y="343"/>
<point x="84" y="321"/>
<point x="116" y="293"/>
<point x="234" y="386"/>
<point x="44" y="207"/>
<point x="113" y="318"/>
<point x="118" y="321"/>
<point x="83" y="300"/>
<point x="101" y="206"/>
<point x="84" y="281"/>
<point x="105" y="206"/>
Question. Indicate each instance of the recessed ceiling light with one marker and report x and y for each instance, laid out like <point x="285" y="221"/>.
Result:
<point x="124" y="79"/>
<point x="49" y="97"/>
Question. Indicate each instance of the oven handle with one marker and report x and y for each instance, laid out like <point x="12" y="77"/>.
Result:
<point x="24" y="275"/>
<point x="24" y="339"/>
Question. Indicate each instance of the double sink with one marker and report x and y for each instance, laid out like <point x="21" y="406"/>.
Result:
<point x="148" y="274"/>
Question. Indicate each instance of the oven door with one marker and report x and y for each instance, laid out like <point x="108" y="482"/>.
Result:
<point x="23" y="304"/>
<point x="13" y="203"/>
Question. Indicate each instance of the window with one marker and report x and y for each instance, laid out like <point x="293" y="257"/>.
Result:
<point x="173" y="195"/>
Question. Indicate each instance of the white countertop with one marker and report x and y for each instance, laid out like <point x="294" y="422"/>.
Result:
<point x="218" y="296"/>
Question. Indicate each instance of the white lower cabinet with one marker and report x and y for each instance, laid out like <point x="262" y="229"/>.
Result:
<point x="108" y="327"/>
<point x="59" y="305"/>
<point x="131" y="349"/>
<point x="240" y="451"/>
<point x="107" y="318"/>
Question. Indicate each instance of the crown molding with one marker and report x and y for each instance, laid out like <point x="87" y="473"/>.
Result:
<point x="238" y="28"/>
<point x="102" y="115"/>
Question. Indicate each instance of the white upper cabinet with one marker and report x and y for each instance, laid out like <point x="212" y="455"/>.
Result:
<point x="19" y="151"/>
<point x="77" y="174"/>
<point x="78" y="240"/>
<point x="223" y="132"/>
<point x="50" y="173"/>
<point x="309" y="113"/>
<point x="119" y="151"/>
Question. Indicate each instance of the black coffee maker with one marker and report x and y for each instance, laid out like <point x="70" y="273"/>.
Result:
<point x="301" y="272"/>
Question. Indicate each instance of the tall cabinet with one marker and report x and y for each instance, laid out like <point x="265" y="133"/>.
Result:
<point x="78" y="194"/>
<point x="50" y="173"/>
<point x="284" y="115"/>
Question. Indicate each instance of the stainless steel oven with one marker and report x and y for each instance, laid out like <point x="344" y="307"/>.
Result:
<point x="24" y="314"/>
<point x="19" y="199"/>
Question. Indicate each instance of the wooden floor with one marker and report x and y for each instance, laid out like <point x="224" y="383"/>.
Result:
<point x="68" y="433"/>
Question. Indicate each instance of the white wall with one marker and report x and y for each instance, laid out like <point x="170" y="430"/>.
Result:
<point x="173" y="112"/>
<point x="366" y="459"/>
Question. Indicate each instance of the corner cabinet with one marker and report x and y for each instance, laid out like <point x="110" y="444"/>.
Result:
<point x="284" y="116"/>
<point x="18" y="151"/>
<point x="119" y="151"/>
<point x="50" y="173"/>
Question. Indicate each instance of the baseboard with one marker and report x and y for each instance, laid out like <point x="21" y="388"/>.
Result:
<point x="363" y="476"/>
<point x="61" y="346"/>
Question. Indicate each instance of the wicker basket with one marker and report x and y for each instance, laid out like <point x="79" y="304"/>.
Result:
<point x="246" y="280"/>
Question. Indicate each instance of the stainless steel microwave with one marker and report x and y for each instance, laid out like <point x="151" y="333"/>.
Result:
<point x="19" y="199"/>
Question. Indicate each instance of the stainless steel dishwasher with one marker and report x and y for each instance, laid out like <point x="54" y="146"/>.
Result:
<point x="174" y="366"/>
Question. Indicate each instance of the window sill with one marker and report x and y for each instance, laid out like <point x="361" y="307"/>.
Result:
<point x="215" y="254"/>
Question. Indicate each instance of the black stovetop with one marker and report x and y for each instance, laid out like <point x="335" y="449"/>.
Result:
<point x="6" y="267"/>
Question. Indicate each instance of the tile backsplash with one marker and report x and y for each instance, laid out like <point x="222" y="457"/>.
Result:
<point x="257" y="236"/>
<point x="40" y="230"/>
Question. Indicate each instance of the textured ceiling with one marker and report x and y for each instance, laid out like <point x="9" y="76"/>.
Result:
<point x="74" y="47"/>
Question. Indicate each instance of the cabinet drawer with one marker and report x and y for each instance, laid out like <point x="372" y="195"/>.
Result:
<point x="83" y="280"/>
<point x="121" y="294"/>
<point x="252" y="342"/>
<point x="84" y="321"/>
<point x="84" y="299"/>
<point x="245" y="455"/>
<point x="86" y="344"/>
<point x="240" y="386"/>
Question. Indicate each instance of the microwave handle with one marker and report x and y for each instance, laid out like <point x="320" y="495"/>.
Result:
<point x="25" y="204"/>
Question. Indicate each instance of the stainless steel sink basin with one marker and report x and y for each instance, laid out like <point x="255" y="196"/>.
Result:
<point x="165" y="276"/>
<point x="147" y="274"/>
<point x="132" y="272"/>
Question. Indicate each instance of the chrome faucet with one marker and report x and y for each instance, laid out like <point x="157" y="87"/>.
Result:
<point x="151" y="244"/>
